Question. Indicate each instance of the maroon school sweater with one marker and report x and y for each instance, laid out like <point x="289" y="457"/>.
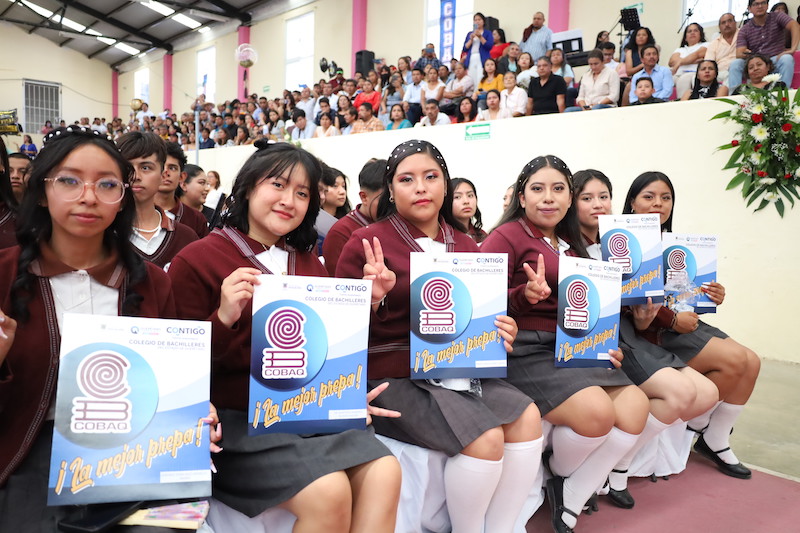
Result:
<point x="190" y="217"/>
<point x="389" y="327"/>
<point x="29" y="373"/>
<point x="178" y="236"/>
<point x="338" y="236"/>
<point x="8" y="227"/>
<point x="523" y="243"/>
<point x="197" y="273"/>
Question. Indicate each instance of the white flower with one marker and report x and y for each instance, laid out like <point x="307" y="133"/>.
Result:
<point x="770" y="78"/>
<point x="757" y="109"/>
<point x="755" y="158"/>
<point x="766" y="181"/>
<point x="772" y="197"/>
<point x="748" y="170"/>
<point x="797" y="173"/>
<point x="759" y="132"/>
<point x="796" y="113"/>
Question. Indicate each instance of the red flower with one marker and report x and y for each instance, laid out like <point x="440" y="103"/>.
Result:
<point x="786" y="127"/>
<point x="757" y="147"/>
<point x="784" y="99"/>
<point x="797" y="149"/>
<point x="762" y="174"/>
<point x="787" y="176"/>
<point x="734" y="143"/>
<point x="758" y="117"/>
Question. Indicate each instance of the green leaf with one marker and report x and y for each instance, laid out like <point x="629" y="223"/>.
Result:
<point x="779" y="207"/>
<point x="724" y="114"/>
<point x="732" y="162"/>
<point x="738" y="179"/>
<point x="761" y="206"/>
<point x="755" y="196"/>
<point x="727" y="146"/>
<point x="786" y="190"/>
<point x="728" y="101"/>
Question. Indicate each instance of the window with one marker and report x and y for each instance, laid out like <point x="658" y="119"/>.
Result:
<point x="300" y="51"/>
<point x="42" y="103"/>
<point x="141" y="85"/>
<point x="707" y="12"/>
<point x="439" y="31"/>
<point x="207" y="73"/>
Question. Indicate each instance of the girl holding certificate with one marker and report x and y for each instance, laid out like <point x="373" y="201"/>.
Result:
<point x="334" y="483"/>
<point x="598" y="413"/>
<point x="731" y="366"/>
<point x="676" y="392"/>
<point x="74" y="256"/>
<point x="491" y="432"/>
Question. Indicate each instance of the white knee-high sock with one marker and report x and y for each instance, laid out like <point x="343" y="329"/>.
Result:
<point x="469" y="484"/>
<point x="700" y="422"/>
<point x="571" y="449"/>
<point x="717" y="436"/>
<point x="654" y="426"/>
<point x="521" y="462"/>
<point x="587" y="477"/>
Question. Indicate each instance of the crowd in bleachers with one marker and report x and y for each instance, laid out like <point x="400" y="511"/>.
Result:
<point x="492" y="79"/>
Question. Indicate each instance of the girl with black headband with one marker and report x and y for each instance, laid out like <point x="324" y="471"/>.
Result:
<point x="493" y="439"/>
<point x="74" y="225"/>
<point x="333" y="483"/>
<point x="598" y="413"/>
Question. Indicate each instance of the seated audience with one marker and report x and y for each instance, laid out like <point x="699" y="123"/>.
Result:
<point x="397" y="119"/>
<point x="661" y="76"/>
<point x="547" y="92"/>
<point x="303" y="128"/>
<point x="758" y="67"/>
<point x="599" y="87"/>
<point x="326" y="126"/>
<point x="644" y="92"/>
<point x="513" y="98"/>
<point x="685" y="59"/>
<point x="723" y="48"/>
<point x="706" y="84"/>
<point x="493" y="110"/>
<point x="432" y="116"/>
<point x="467" y="111"/>
<point x="366" y="122"/>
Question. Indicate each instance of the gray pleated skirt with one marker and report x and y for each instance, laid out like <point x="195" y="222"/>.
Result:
<point x="23" y="499"/>
<point x="445" y="420"/>
<point x="643" y="358"/>
<point x="688" y="345"/>
<point x="531" y="369"/>
<point x="259" y="472"/>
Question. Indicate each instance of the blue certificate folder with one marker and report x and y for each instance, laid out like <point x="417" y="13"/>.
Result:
<point x="131" y="396"/>
<point x="697" y="256"/>
<point x="588" y="312"/>
<point x="634" y="243"/>
<point x="308" y="367"/>
<point x="455" y="298"/>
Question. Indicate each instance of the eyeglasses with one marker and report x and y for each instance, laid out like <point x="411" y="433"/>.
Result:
<point x="107" y="190"/>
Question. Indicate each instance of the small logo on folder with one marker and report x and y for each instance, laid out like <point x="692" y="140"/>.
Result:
<point x="285" y="356"/>
<point x="103" y="408"/>
<point x="576" y="313"/>
<point x="438" y="316"/>
<point x="620" y="252"/>
<point x="676" y="262"/>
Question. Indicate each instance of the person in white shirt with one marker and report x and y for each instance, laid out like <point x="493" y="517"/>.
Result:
<point x="513" y="98"/>
<point x="599" y="87"/>
<point x="460" y="86"/>
<point x="685" y="59"/>
<point x="303" y="129"/>
<point x="432" y="115"/>
<point x="412" y="99"/>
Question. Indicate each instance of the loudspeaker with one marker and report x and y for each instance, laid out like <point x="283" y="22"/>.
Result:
<point x="365" y="61"/>
<point x="492" y="23"/>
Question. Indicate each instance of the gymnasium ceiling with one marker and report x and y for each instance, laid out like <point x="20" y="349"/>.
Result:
<point x="115" y="31"/>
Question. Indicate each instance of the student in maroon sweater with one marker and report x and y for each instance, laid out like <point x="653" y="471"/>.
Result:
<point x="494" y="440"/>
<point x="731" y="366"/>
<point x="598" y="414"/>
<point x="169" y="191"/>
<point x="8" y="202"/>
<point x="370" y="181"/>
<point x="157" y="238"/>
<point x="73" y="238"/>
<point x="465" y="208"/>
<point x="334" y="483"/>
<point x="676" y="391"/>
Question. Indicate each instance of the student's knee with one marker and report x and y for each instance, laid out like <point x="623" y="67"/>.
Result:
<point x="488" y="446"/>
<point x="327" y="502"/>
<point x="597" y="419"/>
<point x="753" y="363"/>
<point x="525" y="428"/>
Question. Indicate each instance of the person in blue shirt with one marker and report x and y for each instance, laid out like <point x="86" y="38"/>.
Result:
<point x="661" y="76"/>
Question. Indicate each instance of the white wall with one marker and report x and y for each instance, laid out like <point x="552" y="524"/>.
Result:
<point x="675" y="138"/>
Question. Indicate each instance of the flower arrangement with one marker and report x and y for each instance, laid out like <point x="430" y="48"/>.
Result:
<point x="766" y="149"/>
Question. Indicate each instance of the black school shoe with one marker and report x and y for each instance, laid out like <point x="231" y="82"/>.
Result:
<point x="738" y="470"/>
<point x="555" y="495"/>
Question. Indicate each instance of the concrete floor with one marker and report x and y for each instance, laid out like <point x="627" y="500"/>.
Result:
<point x="767" y="434"/>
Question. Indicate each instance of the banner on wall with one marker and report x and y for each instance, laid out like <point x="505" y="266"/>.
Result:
<point x="447" y="30"/>
<point x="8" y="122"/>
